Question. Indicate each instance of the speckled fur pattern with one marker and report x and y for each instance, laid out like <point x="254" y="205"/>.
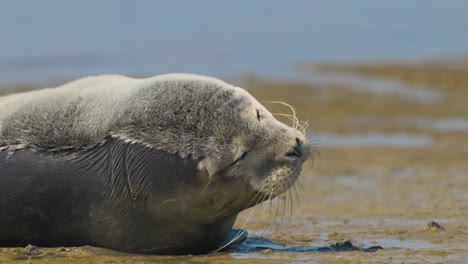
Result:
<point x="120" y="128"/>
<point x="179" y="113"/>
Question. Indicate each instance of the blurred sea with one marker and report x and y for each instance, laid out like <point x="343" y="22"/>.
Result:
<point x="53" y="39"/>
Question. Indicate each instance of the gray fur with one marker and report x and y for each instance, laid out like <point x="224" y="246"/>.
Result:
<point x="177" y="155"/>
<point x="82" y="113"/>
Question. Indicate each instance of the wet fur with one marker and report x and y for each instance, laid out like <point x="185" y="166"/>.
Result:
<point x="107" y="197"/>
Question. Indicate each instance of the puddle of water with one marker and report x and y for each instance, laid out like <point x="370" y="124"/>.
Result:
<point x="389" y="243"/>
<point x="256" y="244"/>
<point x="376" y="86"/>
<point x="442" y="124"/>
<point x="359" y="83"/>
<point x="396" y="222"/>
<point x="453" y="124"/>
<point x="398" y="140"/>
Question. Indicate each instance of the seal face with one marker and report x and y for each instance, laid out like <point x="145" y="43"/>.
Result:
<point x="159" y="165"/>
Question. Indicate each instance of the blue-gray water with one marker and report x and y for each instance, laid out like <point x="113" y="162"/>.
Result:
<point x="43" y="40"/>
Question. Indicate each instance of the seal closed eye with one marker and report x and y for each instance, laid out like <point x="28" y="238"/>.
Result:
<point x="160" y="165"/>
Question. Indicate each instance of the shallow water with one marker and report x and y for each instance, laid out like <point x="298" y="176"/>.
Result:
<point x="448" y="124"/>
<point x="409" y="244"/>
<point x="376" y="86"/>
<point x="441" y="124"/>
<point x="399" y="140"/>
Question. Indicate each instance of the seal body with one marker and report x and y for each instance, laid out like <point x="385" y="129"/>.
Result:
<point x="160" y="165"/>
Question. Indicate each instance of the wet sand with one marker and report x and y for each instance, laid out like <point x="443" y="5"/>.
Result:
<point x="383" y="193"/>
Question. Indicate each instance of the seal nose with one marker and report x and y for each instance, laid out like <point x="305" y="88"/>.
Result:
<point x="297" y="150"/>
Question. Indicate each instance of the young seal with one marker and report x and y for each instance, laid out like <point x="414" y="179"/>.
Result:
<point x="160" y="165"/>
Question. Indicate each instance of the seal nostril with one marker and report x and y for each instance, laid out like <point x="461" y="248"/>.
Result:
<point x="298" y="147"/>
<point x="297" y="150"/>
<point x="293" y="154"/>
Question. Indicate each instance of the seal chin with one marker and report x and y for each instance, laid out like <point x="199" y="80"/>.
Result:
<point x="279" y="181"/>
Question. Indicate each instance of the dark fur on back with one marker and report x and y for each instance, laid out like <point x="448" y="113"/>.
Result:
<point x="102" y="197"/>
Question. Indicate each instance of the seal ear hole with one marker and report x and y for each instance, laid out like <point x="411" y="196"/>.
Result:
<point x="243" y="155"/>
<point x="258" y="115"/>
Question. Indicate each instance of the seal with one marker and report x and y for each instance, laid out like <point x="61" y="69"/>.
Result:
<point x="160" y="165"/>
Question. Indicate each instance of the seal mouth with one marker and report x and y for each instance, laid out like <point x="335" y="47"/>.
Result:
<point x="280" y="179"/>
<point x="287" y="171"/>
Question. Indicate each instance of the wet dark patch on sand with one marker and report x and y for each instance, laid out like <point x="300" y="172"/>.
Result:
<point x="256" y="244"/>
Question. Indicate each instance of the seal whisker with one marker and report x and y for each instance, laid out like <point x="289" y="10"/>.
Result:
<point x="288" y="199"/>
<point x="268" y="205"/>
<point x="273" y="223"/>
<point x="272" y="189"/>
<point x="269" y="216"/>
<point x="291" y="204"/>
<point x="299" y="183"/>
<point x="296" y="123"/>
<point x="303" y="125"/>
<point x="283" y="214"/>
<point x="265" y="197"/>
<point x="279" y="200"/>
<point x="306" y="125"/>
<point x="280" y="209"/>
<point x="295" y="191"/>
<point x="312" y="151"/>
<point x="240" y="231"/>
<point x="290" y="117"/>
<point x="290" y="195"/>
<point x="258" y="195"/>
<point x="291" y="108"/>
